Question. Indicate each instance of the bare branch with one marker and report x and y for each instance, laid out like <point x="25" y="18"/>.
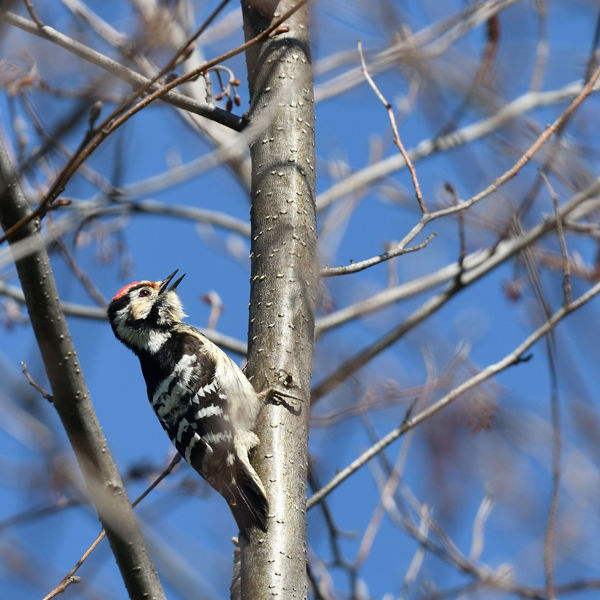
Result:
<point x="542" y="48"/>
<point x="87" y="283"/>
<point x="419" y="556"/>
<point x="33" y="14"/>
<point x="477" y="540"/>
<point x="513" y="358"/>
<point x="460" y="137"/>
<point x="90" y="209"/>
<point x="561" y="240"/>
<point x="398" y="250"/>
<point x="61" y="588"/>
<point x="122" y="72"/>
<point x="429" y="42"/>
<point x="474" y="266"/>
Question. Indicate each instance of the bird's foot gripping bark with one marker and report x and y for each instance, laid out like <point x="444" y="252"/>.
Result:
<point x="282" y="398"/>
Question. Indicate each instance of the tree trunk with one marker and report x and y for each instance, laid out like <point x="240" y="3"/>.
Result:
<point x="70" y="394"/>
<point x="284" y="279"/>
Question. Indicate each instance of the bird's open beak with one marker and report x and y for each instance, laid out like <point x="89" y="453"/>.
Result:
<point x="165" y="282"/>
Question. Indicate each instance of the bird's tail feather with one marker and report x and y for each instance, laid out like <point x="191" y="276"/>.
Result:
<point x="249" y="503"/>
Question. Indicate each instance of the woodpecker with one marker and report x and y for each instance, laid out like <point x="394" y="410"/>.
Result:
<point x="202" y="399"/>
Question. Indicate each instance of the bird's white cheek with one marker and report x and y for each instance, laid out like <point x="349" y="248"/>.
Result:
<point x="140" y="310"/>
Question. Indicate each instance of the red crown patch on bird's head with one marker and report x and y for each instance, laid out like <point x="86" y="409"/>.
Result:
<point x="125" y="290"/>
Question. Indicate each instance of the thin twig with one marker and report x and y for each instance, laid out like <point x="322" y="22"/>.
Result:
<point x="461" y="231"/>
<point x="397" y="140"/>
<point x="398" y="250"/>
<point x="528" y="154"/>
<point x="67" y="581"/>
<point x="33" y="384"/>
<point x="550" y="343"/>
<point x="30" y="514"/>
<point x="417" y="561"/>
<point x="477" y="538"/>
<point x="490" y="50"/>
<point x="33" y="14"/>
<point x="87" y="283"/>
<point x="542" y="47"/>
<point x="89" y="209"/>
<point x="334" y="532"/>
<point x="567" y="290"/>
<point x="387" y="492"/>
<point x="51" y="142"/>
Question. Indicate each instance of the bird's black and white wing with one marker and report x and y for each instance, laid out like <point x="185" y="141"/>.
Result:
<point x="194" y="405"/>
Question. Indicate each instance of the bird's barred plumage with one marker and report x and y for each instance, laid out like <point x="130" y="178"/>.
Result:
<point x="201" y="397"/>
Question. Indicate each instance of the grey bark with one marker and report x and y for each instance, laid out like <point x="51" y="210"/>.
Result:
<point x="284" y="278"/>
<point x="71" y="397"/>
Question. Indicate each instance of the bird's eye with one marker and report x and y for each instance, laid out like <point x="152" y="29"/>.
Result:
<point x="144" y="292"/>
